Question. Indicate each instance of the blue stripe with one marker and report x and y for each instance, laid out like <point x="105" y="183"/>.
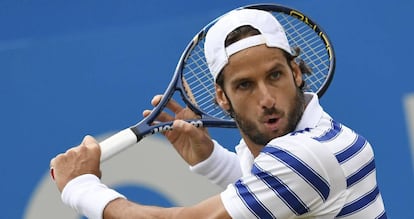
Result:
<point x="359" y="204"/>
<point x="360" y="174"/>
<point x="331" y="134"/>
<point x="251" y="202"/>
<point x="383" y="215"/>
<point x="351" y="150"/>
<point x="302" y="169"/>
<point x="283" y="191"/>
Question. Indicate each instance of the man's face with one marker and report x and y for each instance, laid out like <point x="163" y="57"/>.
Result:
<point x="263" y="94"/>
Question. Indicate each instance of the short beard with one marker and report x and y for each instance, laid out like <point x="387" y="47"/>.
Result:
<point x="250" y="129"/>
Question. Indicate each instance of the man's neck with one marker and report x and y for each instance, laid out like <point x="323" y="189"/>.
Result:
<point x="253" y="147"/>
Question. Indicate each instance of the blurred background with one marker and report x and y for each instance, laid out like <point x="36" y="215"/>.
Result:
<point x="71" y="68"/>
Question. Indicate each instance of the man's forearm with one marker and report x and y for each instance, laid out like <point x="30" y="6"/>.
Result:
<point x="123" y="209"/>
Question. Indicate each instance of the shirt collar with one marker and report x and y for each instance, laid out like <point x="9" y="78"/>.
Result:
<point x="312" y="114"/>
<point x="310" y="118"/>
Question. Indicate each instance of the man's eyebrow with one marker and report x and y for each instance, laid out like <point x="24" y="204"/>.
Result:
<point x="239" y="80"/>
<point x="276" y="66"/>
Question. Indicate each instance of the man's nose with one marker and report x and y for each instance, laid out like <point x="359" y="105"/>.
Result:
<point x="266" y="99"/>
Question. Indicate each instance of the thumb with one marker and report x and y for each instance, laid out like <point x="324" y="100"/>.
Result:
<point x="90" y="142"/>
<point x="196" y="134"/>
<point x="182" y="126"/>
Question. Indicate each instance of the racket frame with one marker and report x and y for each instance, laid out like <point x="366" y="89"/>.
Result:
<point x="149" y="125"/>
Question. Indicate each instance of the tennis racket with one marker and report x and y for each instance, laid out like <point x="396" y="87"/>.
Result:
<point x="192" y="78"/>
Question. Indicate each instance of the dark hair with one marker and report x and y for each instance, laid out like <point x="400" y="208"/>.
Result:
<point x="247" y="31"/>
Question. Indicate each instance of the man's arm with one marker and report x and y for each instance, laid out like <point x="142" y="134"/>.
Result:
<point x="221" y="168"/>
<point x="122" y="208"/>
<point x="77" y="173"/>
<point x="205" y="156"/>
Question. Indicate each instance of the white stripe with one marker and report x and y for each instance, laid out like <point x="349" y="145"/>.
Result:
<point x="354" y="164"/>
<point x="284" y="207"/>
<point x="359" y="189"/>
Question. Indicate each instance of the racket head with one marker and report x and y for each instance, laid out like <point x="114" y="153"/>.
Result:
<point x="316" y="48"/>
<point x="316" y="51"/>
<point x="196" y="84"/>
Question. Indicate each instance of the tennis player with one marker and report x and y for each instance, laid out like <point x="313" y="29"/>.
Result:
<point x="293" y="161"/>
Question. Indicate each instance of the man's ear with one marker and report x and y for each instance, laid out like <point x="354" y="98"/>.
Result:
<point x="221" y="98"/>
<point x="297" y="73"/>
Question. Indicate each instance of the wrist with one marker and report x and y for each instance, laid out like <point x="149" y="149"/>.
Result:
<point x="221" y="167"/>
<point x="88" y="196"/>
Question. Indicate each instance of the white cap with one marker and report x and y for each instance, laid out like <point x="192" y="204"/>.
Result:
<point x="271" y="34"/>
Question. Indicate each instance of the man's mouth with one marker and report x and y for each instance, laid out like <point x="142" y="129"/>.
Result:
<point x="272" y="120"/>
<point x="272" y="123"/>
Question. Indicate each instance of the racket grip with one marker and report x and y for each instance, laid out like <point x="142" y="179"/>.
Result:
<point x="117" y="143"/>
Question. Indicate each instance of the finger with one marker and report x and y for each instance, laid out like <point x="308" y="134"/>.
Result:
<point x="162" y="117"/>
<point x="165" y="117"/>
<point x="188" y="129"/>
<point x="52" y="173"/>
<point x="91" y="143"/>
<point x="146" y="113"/>
<point x="173" y="105"/>
<point x="53" y="162"/>
<point x="156" y="100"/>
<point x="187" y="113"/>
<point x="51" y="170"/>
<point x="182" y="126"/>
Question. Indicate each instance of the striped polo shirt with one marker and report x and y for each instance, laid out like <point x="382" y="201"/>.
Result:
<point x="321" y="170"/>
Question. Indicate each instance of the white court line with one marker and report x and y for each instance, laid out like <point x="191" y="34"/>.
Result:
<point x="409" y="111"/>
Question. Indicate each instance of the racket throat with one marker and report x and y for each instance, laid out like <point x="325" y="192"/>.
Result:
<point x="137" y="133"/>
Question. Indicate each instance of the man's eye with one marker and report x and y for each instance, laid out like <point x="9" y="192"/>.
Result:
<point x="244" y="85"/>
<point x="275" y="75"/>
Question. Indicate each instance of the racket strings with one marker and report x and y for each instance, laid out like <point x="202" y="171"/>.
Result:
<point x="314" y="51"/>
<point x="201" y="83"/>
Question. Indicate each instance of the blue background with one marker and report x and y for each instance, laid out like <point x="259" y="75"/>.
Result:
<point x="70" y="68"/>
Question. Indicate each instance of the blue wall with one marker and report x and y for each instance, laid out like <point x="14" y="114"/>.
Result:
<point x="73" y="68"/>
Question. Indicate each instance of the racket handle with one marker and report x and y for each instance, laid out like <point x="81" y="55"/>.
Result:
<point x="117" y="143"/>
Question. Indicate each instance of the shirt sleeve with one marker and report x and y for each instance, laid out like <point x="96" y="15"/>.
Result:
<point x="289" y="179"/>
<point x="222" y="167"/>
